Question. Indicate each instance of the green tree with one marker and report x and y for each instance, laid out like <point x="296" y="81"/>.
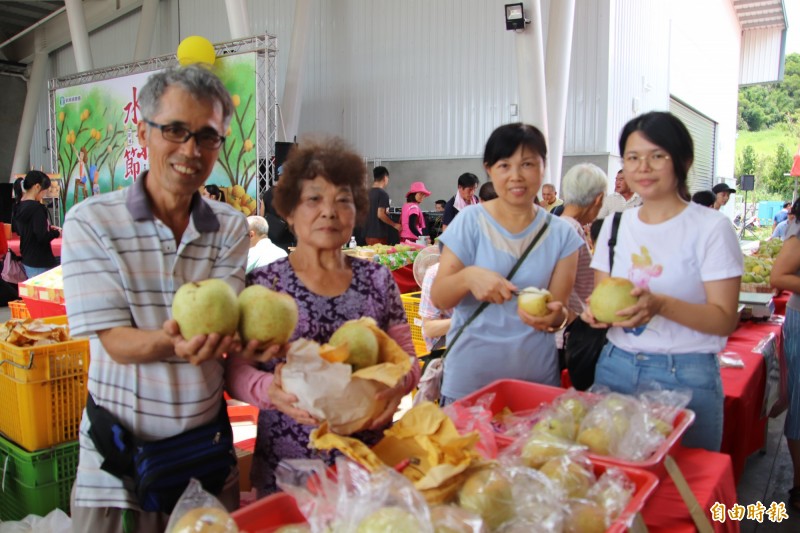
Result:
<point x="778" y="165"/>
<point x="763" y="106"/>
<point x="748" y="162"/>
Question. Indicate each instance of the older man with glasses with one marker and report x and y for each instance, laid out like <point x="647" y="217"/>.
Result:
<point x="125" y="254"/>
<point x="621" y="199"/>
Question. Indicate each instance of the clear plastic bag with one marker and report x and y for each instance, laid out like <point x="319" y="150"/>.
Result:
<point x="538" y="447"/>
<point x="354" y="500"/>
<point x="477" y="418"/>
<point x="454" y="519"/>
<point x="197" y="510"/>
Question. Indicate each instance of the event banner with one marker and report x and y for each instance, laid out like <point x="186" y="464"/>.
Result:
<point x="98" y="149"/>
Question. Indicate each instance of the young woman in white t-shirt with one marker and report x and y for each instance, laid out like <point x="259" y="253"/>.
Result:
<point x="685" y="262"/>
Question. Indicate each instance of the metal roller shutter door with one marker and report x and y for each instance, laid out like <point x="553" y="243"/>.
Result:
<point x="704" y="135"/>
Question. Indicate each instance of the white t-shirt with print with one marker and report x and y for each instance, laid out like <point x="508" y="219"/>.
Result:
<point x="675" y="258"/>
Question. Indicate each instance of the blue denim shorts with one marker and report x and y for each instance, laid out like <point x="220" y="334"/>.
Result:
<point x="791" y="331"/>
<point x="629" y="373"/>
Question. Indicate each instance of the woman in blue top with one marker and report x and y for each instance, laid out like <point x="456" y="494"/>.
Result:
<point x="480" y="248"/>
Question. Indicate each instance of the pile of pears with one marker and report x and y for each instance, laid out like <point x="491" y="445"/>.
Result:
<point x="211" y="306"/>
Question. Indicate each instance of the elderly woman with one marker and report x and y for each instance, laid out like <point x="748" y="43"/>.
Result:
<point x="480" y="248"/>
<point x="322" y="195"/>
<point x="583" y="188"/>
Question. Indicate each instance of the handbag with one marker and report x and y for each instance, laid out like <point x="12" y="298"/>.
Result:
<point x="13" y="270"/>
<point x="583" y="343"/>
<point x="430" y="383"/>
<point x="161" y="470"/>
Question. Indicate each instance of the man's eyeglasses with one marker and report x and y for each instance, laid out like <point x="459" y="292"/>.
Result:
<point x="656" y="161"/>
<point x="206" y="138"/>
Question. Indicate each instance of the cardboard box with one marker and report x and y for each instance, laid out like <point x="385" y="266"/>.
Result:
<point x="244" y="460"/>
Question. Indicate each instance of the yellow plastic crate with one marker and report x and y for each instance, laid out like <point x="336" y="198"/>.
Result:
<point x="43" y="391"/>
<point x="18" y="309"/>
<point x="411" y="306"/>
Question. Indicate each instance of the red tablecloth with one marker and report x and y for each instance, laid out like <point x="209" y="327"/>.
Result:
<point x="710" y="477"/>
<point x="55" y="245"/>
<point x="744" y="429"/>
<point x="404" y="276"/>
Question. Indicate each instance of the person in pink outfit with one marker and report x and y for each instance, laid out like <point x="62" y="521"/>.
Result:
<point x="411" y="220"/>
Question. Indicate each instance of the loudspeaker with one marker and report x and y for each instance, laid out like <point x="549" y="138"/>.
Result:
<point x="747" y="182"/>
<point x="6" y="201"/>
<point x="281" y="151"/>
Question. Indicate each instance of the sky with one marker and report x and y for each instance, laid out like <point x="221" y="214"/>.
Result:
<point x="793" y="35"/>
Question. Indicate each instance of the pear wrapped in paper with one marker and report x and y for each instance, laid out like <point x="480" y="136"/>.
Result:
<point x="332" y="390"/>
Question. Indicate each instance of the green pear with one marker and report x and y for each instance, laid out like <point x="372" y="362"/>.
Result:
<point x="608" y="297"/>
<point x="596" y="439"/>
<point x="572" y="477"/>
<point x="541" y="447"/>
<point x="534" y="301"/>
<point x="204" y="307"/>
<point x="584" y="516"/>
<point x="556" y="426"/>
<point x="392" y="519"/>
<point x="488" y="493"/>
<point x="266" y="316"/>
<point x="575" y="407"/>
<point x="362" y="345"/>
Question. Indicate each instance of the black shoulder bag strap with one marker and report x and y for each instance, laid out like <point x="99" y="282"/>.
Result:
<point x="428" y="358"/>
<point x="612" y="241"/>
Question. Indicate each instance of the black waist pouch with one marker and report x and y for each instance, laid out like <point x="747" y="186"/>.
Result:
<point x="161" y="469"/>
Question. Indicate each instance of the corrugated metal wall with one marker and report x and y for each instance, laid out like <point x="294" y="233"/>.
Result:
<point x="639" y="63"/>
<point x="704" y="134"/>
<point x="760" y="53"/>
<point x="430" y="79"/>
<point x="412" y="79"/>
<point x="587" y="109"/>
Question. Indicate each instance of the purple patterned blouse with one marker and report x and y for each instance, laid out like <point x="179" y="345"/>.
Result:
<point x="372" y="293"/>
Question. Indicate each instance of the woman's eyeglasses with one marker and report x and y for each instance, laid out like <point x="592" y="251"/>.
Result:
<point x="206" y="138"/>
<point x="656" y="161"/>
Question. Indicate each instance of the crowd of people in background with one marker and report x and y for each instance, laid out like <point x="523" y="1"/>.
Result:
<point x="497" y="238"/>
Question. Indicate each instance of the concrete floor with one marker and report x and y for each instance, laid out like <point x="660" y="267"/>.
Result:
<point x="767" y="478"/>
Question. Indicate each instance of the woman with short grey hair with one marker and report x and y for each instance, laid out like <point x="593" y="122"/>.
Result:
<point x="581" y="185"/>
<point x="583" y="188"/>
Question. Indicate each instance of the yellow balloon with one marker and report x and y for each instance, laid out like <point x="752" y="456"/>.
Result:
<point x="196" y="49"/>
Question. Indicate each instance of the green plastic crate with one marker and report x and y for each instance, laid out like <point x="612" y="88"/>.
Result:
<point x="35" y="482"/>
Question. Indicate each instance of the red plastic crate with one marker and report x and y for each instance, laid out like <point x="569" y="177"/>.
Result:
<point x="242" y="412"/>
<point x="646" y="483"/>
<point x="268" y="514"/>
<point x="521" y="396"/>
<point x="43" y="309"/>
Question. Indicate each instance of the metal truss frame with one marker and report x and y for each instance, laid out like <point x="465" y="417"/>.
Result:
<point x="266" y="48"/>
